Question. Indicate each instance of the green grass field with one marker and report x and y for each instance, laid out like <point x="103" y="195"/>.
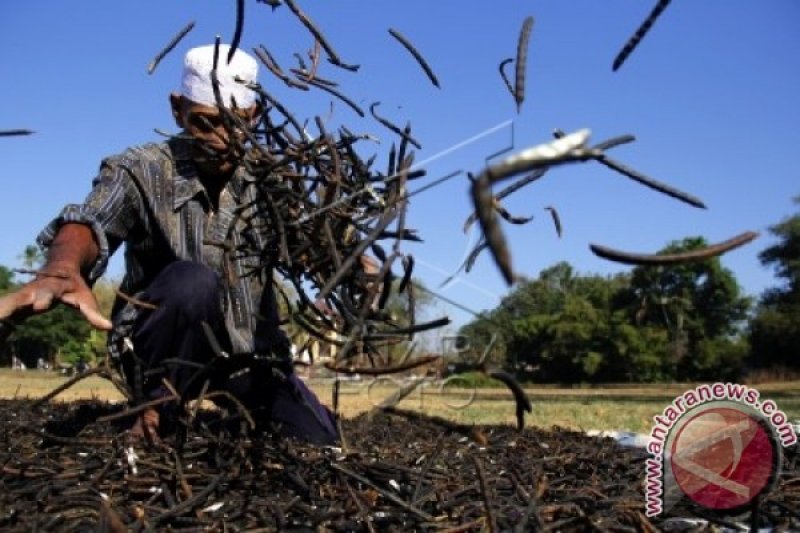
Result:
<point x="619" y="407"/>
<point x="615" y="407"/>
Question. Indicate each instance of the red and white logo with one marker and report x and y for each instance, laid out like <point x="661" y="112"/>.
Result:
<point x="722" y="456"/>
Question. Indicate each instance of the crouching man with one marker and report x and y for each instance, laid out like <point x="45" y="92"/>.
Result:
<point x="191" y="304"/>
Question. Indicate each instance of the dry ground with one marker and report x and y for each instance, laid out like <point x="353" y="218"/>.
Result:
<point x="63" y="470"/>
<point x="614" y="407"/>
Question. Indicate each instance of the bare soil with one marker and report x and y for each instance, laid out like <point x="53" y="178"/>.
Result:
<point x="63" y="470"/>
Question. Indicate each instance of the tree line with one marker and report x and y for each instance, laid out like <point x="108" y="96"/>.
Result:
<point x="60" y="336"/>
<point x="63" y="337"/>
<point x="685" y="322"/>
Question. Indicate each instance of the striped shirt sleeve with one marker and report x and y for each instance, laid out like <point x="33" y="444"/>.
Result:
<point x="111" y="210"/>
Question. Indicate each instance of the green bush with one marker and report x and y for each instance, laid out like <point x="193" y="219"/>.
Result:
<point x="471" y="380"/>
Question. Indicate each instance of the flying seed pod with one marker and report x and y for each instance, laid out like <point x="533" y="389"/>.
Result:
<point x="650" y="182"/>
<point x="614" y="142"/>
<point x="169" y="47"/>
<point x="599" y="156"/>
<point x="569" y="148"/>
<point x="637" y="37"/>
<point x="502" y="68"/>
<point x="306" y="77"/>
<point x="521" y="399"/>
<point x="392" y="127"/>
<point x="266" y="58"/>
<point x="237" y="32"/>
<point x="379" y="252"/>
<point x="301" y="62"/>
<point x="508" y="217"/>
<point x="473" y="255"/>
<point x="671" y="259"/>
<point x="328" y="89"/>
<point x="14" y="133"/>
<point x="408" y="266"/>
<point x="274" y="4"/>
<point x="333" y="57"/>
<point x="217" y="42"/>
<point x="556" y="219"/>
<point x="386" y="289"/>
<point x="517" y="185"/>
<point x="522" y="60"/>
<point x="414" y="52"/>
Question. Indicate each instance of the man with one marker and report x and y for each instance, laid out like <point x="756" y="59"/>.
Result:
<point x="195" y="313"/>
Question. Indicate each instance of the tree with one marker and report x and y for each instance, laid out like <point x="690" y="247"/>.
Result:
<point x="61" y="333"/>
<point x="404" y="309"/>
<point x="654" y="324"/>
<point x="576" y="332"/>
<point x="397" y="309"/>
<point x="775" y="327"/>
<point x="104" y="292"/>
<point x="565" y="327"/>
<point x="31" y="256"/>
<point x="702" y="308"/>
<point x="784" y="257"/>
<point x="6" y="280"/>
<point x="6" y="285"/>
<point x="399" y="305"/>
<point x="543" y="296"/>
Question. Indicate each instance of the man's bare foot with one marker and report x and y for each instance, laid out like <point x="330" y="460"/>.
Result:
<point x="146" y="426"/>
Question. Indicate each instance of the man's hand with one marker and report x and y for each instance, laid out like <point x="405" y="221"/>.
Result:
<point x="60" y="280"/>
<point x="52" y="285"/>
<point x="146" y="427"/>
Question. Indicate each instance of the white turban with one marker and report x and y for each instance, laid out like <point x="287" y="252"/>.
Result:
<point x="196" y="84"/>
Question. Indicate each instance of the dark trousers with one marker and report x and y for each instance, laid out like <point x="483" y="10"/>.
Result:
<point x="172" y="337"/>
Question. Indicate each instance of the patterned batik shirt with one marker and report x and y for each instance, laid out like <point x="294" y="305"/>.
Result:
<point x="150" y="198"/>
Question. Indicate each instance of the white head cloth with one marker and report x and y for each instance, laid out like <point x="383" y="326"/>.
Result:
<point x="197" y="86"/>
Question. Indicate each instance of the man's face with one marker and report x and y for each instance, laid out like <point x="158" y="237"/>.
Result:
<point x="213" y="152"/>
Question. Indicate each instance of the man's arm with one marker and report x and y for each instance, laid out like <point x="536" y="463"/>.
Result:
<point x="62" y="278"/>
<point x="73" y="250"/>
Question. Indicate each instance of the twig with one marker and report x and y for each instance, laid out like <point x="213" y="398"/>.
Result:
<point x="426" y="468"/>
<point x="239" y="405"/>
<point x="134" y="301"/>
<point x="372" y="371"/>
<point x="139" y="408"/>
<point x="485" y="492"/>
<point x="386" y="494"/>
<point x="69" y="383"/>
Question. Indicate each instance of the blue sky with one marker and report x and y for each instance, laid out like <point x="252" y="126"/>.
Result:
<point x="711" y="94"/>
